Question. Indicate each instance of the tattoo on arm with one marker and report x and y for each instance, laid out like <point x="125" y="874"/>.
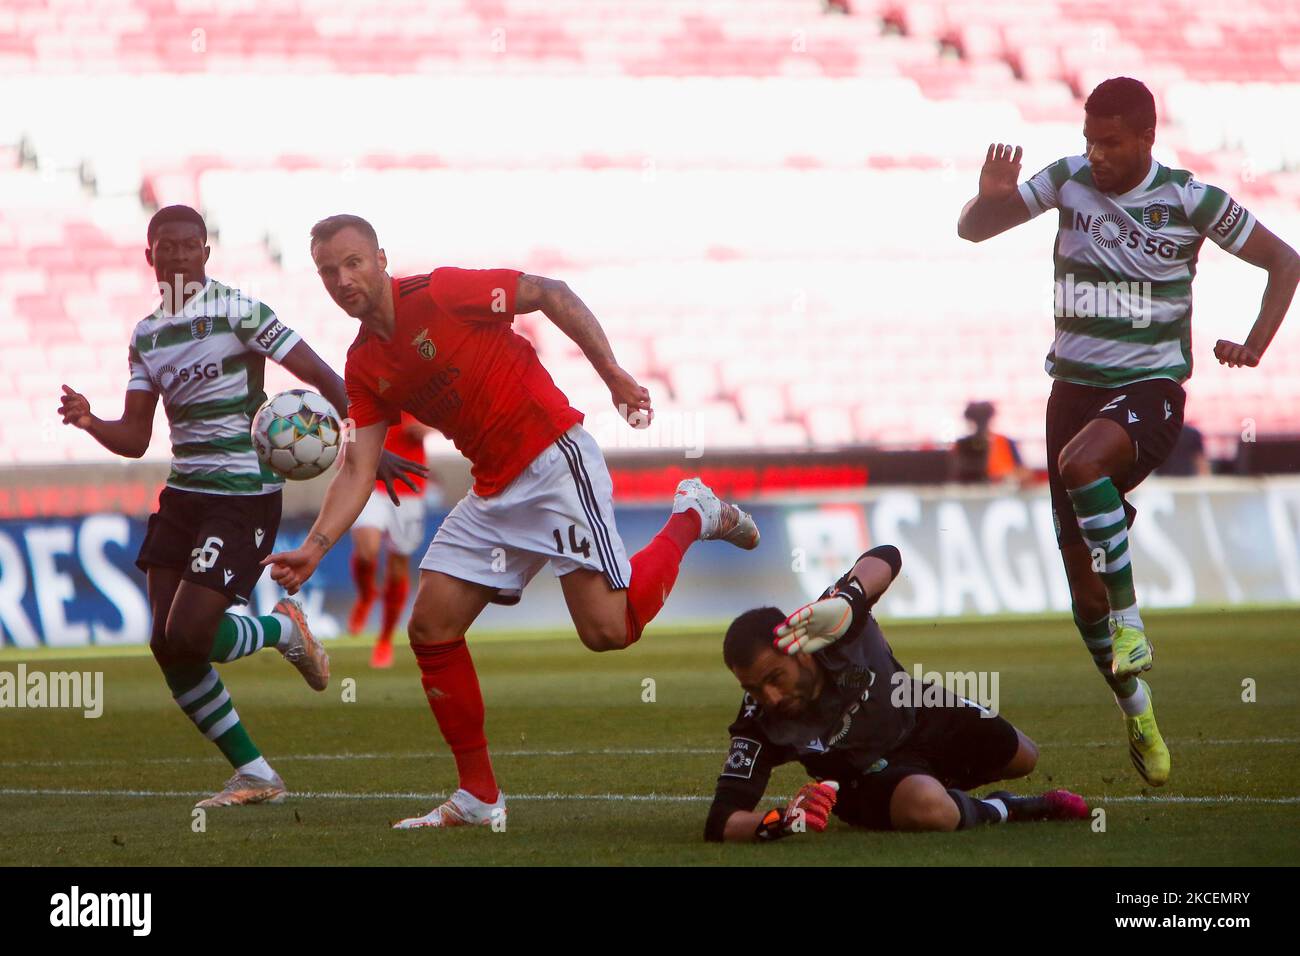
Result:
<point x="571" y="315"/>
<point x="321" y="539"/>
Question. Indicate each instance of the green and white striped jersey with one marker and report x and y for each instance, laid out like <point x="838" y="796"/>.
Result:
<point x="207" y="365"/>
<point x="1124" y="266"/>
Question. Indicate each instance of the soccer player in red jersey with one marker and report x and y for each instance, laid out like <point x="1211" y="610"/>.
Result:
<point x="440" y="346"/>
<point x="391" y="526"/>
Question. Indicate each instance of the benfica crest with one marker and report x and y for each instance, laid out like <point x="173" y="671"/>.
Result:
<point x="424" y="345"/>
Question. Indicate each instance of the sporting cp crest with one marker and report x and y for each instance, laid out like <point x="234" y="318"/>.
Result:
<point x="201" y="327"/>
<point x="1155" y="215"/>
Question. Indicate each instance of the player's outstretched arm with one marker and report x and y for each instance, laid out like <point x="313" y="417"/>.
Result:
<point x="127" y="436"/>
<point x="1280" y="261"/>
<point x="304" y="364"/>
<point x="998" y="206"/>
<point x="876" y="570"/>
<point x="346" y="496"/>
<point x="844" y="606"/>
<point x="571" y="316"/>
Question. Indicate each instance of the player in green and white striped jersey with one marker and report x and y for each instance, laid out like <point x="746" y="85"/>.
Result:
<point x="203" y="352"/>
<point x="206" y="363"/>
<point x="1129" y="234"/>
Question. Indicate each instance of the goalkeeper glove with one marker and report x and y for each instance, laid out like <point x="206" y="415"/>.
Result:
<point x="822" y="623"/>
<point x="809" y="810"/>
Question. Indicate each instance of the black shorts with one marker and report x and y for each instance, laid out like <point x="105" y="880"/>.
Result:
<point x="218" y="541"/>
<point x="1150" y="411"/>
<point x="958" y="746"/>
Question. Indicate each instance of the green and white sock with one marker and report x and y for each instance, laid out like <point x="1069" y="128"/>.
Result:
<point x="1100" y="513"/>
<point x="197" y="690"/>
<point x="239" y="635"/>
<point x="1096" y="636"/>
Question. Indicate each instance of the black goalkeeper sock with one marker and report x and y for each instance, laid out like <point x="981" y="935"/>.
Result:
<point x="976" y="812"/>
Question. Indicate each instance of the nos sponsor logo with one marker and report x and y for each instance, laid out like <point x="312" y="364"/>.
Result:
<point x="741" y="758"/>
<point x="1111" y="232"/>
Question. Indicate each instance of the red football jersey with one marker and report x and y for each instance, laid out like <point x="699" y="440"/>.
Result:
<point x="455" y="363"/>
<point x="403" y="445"/>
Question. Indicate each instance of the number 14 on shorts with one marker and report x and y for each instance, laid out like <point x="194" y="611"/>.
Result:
<point x="575" y="547"/>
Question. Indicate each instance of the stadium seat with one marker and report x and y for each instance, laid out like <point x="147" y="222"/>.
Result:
<point x="756" y="260"/>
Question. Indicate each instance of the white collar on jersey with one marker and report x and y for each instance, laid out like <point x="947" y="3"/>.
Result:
<point x="1143" y="186"/>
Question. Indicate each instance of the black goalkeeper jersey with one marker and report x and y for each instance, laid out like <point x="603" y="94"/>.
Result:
<point x="865" y="711"/>
<point x="849" y="728"/>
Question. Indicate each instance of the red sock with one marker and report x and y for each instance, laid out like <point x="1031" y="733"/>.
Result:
<point x="363" y="575"/>
<point x="447" y="675"/>
<point x="395" y="591"/>
<point x="654" y="570"/>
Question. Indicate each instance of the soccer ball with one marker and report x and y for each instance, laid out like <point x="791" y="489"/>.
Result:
<point x="297" y="434"/>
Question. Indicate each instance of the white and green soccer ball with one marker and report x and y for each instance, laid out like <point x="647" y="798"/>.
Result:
<point x="297" y="434"/>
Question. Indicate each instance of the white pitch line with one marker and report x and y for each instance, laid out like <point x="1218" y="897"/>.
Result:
<point x="1188" y="742"/>
<point x="582" y="797"/>
<point x="339" y="795"/>
<point x="1225" y="798"/>
<point x="409" y="755"/>
<point x="608" y="752"/>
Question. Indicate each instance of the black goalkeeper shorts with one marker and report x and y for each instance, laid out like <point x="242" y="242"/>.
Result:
<point x="1150" y="411"/>
<point x="218" y="541"/>
<point x="956" y="745"/>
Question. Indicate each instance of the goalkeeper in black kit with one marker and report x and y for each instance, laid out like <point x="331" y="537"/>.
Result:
<point x="822" y="687"/>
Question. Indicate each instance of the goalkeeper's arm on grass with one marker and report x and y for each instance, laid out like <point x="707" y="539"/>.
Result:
<point x="733" y="817"/>
<point x="808" y="811"/>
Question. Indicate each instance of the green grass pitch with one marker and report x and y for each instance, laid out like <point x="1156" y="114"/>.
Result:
<point x="595" y="775"/>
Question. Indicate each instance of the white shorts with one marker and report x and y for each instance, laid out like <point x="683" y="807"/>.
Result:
<point x="403" y="528"/>
<point x="559" y="509"/>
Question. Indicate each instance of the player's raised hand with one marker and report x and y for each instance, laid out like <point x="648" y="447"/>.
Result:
<point x="1001" y="172"/>
<point x="815" y="626"/>
<point x="1235" y="356"/>
<point x="393" y="468"/>
<point x="74" y="408"/>
<point x="291" y="569"/>
<point x="631" y="399"/>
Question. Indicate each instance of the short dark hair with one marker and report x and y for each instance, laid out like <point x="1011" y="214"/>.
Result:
<point x="1125" y="97"/>
<point x="981" y="413"/>
<point x="174" y="214"/>
<point x="749" y="635"/>
<point x="331" y="226"/>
